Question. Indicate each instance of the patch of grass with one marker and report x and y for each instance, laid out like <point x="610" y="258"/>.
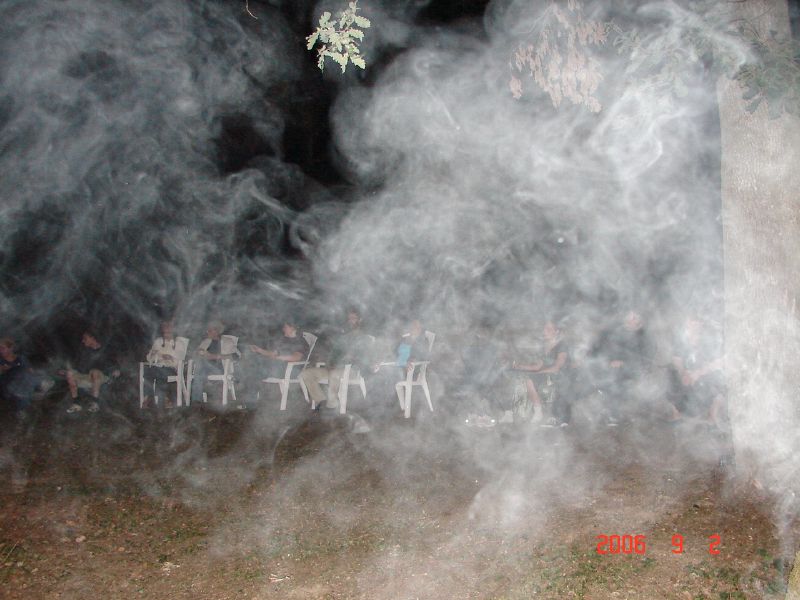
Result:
<point x="728" y="575"/>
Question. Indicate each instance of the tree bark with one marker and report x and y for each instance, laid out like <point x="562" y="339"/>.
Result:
<point x="760" y="180"/>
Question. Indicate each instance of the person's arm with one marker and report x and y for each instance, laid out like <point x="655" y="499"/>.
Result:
<point x="202" y="350"/>
<point x="152" y="355"/>
<point x="261" y="351"/>
<point x="534" y="367"/>
<point x="295" y="356"/>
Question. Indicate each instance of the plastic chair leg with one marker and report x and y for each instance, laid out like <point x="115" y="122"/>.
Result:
<point x="141" y="386"/>
<point x="284" y="394"/>
<point x="344" y="383"/>
<point x="400" y="394"/>
<point x="427" y="393"/>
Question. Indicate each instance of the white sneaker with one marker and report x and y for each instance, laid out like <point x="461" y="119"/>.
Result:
<point x="74" y="408"/>
<point x="611" y="422"/>
<point x="551" y="422"/>
<point x="93" y="407"/>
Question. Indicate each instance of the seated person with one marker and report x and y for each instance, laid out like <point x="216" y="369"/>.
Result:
<point x="89" y="371"/>
<point x="353" y="347"/>
<point x="545" y="372"/>
<point x="18" y="381"/>
<point x="289" y="347"/>
<point x="697" y="360"/>
<point x="208" y="358"/>
<point x="625" y="355"/>
<point x="162" y="360"/>
<point x="412" y="347"/>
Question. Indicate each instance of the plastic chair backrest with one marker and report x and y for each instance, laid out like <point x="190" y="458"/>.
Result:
<point x="430" y="336"/>
<point x="228" y="343"/>
<point x="311" y="340"/>
<point x="182" y="343"/>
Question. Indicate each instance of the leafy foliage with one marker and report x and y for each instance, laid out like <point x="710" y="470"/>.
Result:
<point x="767" y="68"/>
<point x="775" y="77"/>
<point x="701" y="34"/>
<point x="557" y="61"/>
<point x="339" y="38"/>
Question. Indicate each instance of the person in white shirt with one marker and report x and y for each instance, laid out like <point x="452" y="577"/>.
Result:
<point x="163" y="358"/>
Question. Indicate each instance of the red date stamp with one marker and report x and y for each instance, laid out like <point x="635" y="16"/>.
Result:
<point x="637" y="544"/>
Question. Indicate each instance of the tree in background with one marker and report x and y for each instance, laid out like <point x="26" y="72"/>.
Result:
<point x="749" y="47"/>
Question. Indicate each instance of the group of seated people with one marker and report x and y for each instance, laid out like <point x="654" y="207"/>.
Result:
<point x="351" y="346"/>
<point x="615" y="368"/>
<point x="512" y="383"/>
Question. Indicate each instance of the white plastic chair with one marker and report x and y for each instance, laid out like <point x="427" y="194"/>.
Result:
<point x="286" y="380"/>
<point x="228" y="345"/>
<point x="182" y="391"/>
<point x="420" y="369"/>
<point x="349" y="377"/>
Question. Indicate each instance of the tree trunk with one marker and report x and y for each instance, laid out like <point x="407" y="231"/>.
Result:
<point x="760" y="174"/>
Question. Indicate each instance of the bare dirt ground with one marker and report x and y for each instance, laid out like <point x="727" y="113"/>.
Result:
<point x="197" y="503"/>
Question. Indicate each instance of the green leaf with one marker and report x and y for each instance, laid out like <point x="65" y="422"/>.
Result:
<point x="312" y="39"/>
<point x="339" y="58"/>
<point x="324" y="19"/>
<point x="362" y="21"/>
<point x="356" y="33"/>
<point x="358" y="61"/>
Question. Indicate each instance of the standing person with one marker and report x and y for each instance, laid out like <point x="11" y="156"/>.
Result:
<point x="545" y="374"/>
<point x="208" y="359"/>
<point x="289" y="347"/>
<point x="625" y="354"/>
<point x="697" y="360"/>
<point x="89" y="370"/>
<point x="353" y="347"/>
<point x="162" y="360"/>
<point x="18" y="381"/>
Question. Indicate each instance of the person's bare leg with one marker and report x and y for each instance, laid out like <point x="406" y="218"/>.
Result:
<point x="72" y="384"/>
<point x="533" y="396"/>
<point x="713" y="410"/>
<point x="96" y="378"/>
